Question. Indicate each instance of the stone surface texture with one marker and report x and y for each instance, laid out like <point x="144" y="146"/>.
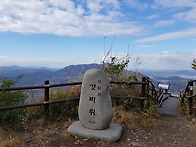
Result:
<point x="95" y="107"/>
<point x="111" y="134"/>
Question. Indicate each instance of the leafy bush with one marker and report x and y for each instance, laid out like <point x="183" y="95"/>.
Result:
<point x="15" y="117"/>
<point x="67" y="109"/>
<point x="58" y="111"/>
<point x="115" y="68"/>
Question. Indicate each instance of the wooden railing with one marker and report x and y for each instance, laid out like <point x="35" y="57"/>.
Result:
<point x="144" y="94"/>
<point x="155" y="93"/>
<point x="189" y="94"/>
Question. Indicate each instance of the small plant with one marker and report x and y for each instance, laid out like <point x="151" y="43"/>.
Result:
<point x="58" y="111"/>
<point x="12" y="118"/>
<point x="67" y="109"/>
<point x="115" y="68"/>
<point x="184" y="106"/>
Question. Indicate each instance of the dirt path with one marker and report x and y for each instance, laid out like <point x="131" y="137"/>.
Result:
<point x="171" y="131"/>
<point x="169" y="106"/>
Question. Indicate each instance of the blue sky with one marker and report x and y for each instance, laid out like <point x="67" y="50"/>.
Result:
<point x="58" y="33"/>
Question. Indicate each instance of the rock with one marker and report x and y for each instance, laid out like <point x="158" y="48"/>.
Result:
<point x="25" y="136"/>
<point x="95" y="107"/>
<point x="51" y="131"/>
<point x="136" y="144"/>
<point x="128" y="139"/>
<point x="111" y="134"/>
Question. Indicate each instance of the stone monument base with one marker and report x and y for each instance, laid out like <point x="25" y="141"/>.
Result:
<point x="111" y="134"/>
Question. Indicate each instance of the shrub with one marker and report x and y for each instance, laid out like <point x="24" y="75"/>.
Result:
<point x="15" y="117"/>
<point x="58" y="111"/>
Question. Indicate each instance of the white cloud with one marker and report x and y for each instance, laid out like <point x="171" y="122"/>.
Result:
<point x="166" y="60"/>
<point x="187" y="8"/>
<point x="136" y="4"/>
<point x="31" y="61"/>
<point x="157" y="61"/>
<point x="98" y="5"/>
<point x="164" y="23"/>
<point x="145" y="46"/>
<point x="65" y="17"/>
<point x="52" y="61"/>
<point x="153" y="16"/>
<point x="63" y="4"/>
<point x="175" y="3"/>
<point x="174" y="35"/>
<point x="188" y="16"/>
<point x="94" y="5"/>
<point x="180" y="15"/>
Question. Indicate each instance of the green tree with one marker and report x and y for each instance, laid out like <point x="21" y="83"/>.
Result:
<point x="115" y="66"/>
<point x="14" y="117"/>
<point x="114" y="69"/>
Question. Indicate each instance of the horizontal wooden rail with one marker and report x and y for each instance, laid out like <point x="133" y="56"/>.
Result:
<point x="40" y="87"/>
<point x="192" y="96"/>
<point x="38" y="104"/>
<point x="63" y="84"/>
<point x="124" y="97"/>
<point x="64" y="100"/>
<point x="130" y="83"/>
<point x="21" y="88"/>
<point x="47" y="86"/>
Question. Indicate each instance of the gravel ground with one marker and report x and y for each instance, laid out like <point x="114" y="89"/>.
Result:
<point x="171" y="131"/>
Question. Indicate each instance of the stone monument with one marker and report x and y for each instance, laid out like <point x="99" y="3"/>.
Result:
<point x="95" y="109"/>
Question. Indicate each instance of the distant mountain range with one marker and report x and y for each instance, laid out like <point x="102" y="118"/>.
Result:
<point x="176" y="78"/>
<point x="168" y="73"/>
<point x="36" y="76"/>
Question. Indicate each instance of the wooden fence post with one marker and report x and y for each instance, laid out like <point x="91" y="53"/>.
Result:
<point x="46" y="96"/>
<point x="147" y="94"/>
<point x="190" y="99"/>
<point x="148" y="91"/>
<point x="144" y="79"/>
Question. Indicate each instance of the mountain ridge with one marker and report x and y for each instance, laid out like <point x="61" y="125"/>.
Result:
<point x="37" y="75"/>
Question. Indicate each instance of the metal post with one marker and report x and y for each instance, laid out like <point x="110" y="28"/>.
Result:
<point x="46" y="96"/>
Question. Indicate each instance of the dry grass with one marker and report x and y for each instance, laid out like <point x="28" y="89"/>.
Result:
<point x="72" y="92"/>
<point x="9" y="139"/>
<point x="133" y="120"/>
<point x="124" y="90"/>
<point x="42" y="129"/>
<point x="46" y="132"/>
